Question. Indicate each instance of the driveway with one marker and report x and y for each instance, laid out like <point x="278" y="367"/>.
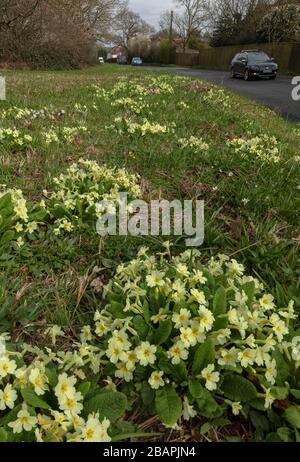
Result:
<point x="275" y="94"/>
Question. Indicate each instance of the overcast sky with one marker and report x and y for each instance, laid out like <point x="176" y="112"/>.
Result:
<point x="150" y="10"/>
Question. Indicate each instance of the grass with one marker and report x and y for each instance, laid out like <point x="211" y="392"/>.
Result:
<point x="263" y="234"/>
<point x="252" y="208"/>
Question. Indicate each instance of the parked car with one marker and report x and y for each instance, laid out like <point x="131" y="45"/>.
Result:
<point x="122" y="59"/>
<point x="136" y="61"/>
<point x="101" y="60"/>
<point x="253" y="63"/>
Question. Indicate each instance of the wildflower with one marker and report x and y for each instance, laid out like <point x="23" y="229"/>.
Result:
<point x="145" y="353"/>
<point x="269" y="399"/>
<point x="7" y="367"/>
<point x="20" y="242"/>
<point x="196" y="332"/>
<point x="187" y="337"/>
<point x="228" y="357"/>
<point x="178" y="352"/>
<point x="156" y="381"/>
<point x="65" y="387"/>
<point x="124" y="372"/>
<point x="182" y="318"/>
<point x="188" y="410"/>
<point x="271" y="371"/>
<point x="95" y="431"/>
<point x="211" y="377"/>
<point x="38" y="380"/>
<point x="296" y="348"/>
<point x="223" y="336"/>
<point x="198" y="296"/>
<point x="72" y="406"/>
<point x="267" y="302"/>
<point x="155" y="279"/>
<point x="54" y="332"/>
<point x="19" y="227"/>
<point x="8" y="397"/>
<point x="24" y="421"/>
<point x="207" y="319"/>
<point x="31" y="227"/>
<point x="246" y="357"/>
<point x="159" y="317"/>
<point x="182" y="270"/>
<point x="236" y="408"/>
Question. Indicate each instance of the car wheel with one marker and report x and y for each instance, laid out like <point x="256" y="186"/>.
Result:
<point x="233" y="74"/>
<point x="246" y="75"/>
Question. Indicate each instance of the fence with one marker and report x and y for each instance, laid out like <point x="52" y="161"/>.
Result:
<point x="287" y="55"/>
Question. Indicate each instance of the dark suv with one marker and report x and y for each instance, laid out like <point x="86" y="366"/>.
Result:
<point x="253" y="63"/>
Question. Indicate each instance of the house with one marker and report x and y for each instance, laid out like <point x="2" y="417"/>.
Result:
<point x="115" y="53"/>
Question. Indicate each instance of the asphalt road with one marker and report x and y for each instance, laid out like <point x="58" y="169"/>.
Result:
<point x="275" y="94"/>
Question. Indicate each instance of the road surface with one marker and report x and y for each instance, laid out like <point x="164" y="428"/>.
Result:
<point x="275" y="94"/>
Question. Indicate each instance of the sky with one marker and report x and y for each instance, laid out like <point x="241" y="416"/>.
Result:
<point x="150" y="10"/>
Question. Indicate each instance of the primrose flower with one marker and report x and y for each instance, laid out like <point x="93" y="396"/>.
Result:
<point x="246" y="357"/>
<point x="8" y="397"/>
<point x="31" y="227"/>
<point x="145" y="353"/>
<point x="72" y="406"/>
<point x="95" y="431"/>
<point x="65" y="387"/>
<point x="54" y="332"/>
<point x="207" y="319"/>
<point x="159" y="317"/>
<point x="187" y="337"/>
<point x="114" y="352"/>
<point x="228" y="357"/>
<point x="236" y="408"/>
<point x="155" y="279"/>
<point x="39" y="381"/>
<point x="198" y="296"/>
<point x="188" y="410"/>
<point x="182" y="318"/>
<point x="271" y="371"/>
<point x="267" y="302"/>
<point x="156" y="381"/>
<point x="182" y="270"/>
<point x="7" y="367"/>
<point x="24" y="421"/>
<point x="124" y="371"/>
<point x="178" y="352"/>
<point x="269" y="399"/>
<point x="211" y="377"/>
<point x="296" y="349"/>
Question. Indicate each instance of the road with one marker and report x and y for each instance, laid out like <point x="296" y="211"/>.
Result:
<point x="275" y="94"/>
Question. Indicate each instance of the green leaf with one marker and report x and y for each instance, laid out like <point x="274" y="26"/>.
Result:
<point x="220" y="302"/>
<point x="109" y="404"/>
<point x="84" y="388"/>
<point x="3" y="435"/>
<point x="33" y="400"/>
<point x="52" y="376"/>
<point x="163" y="332"/>
<point x="117" y="310"/>
<point x="205" y="354"/>
<point x="295" y="393"/>
<point x="283" y="369"/>
<point x="259" y="421"/>
<point x="207" y="405"/>
<point x="7" y="237"/>
<point x="148" y="396"/>
<point x="238" y="388"/>
<point x="178" y="371"/>
<point x="168" y="405"/>
<point x="292" y="415"/>
<point x="141" y="327"/>
<point x="5" y="202"/>
<point x="280" y="393"/>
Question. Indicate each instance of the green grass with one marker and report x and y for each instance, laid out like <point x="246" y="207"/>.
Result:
<point x="46" y="287"/>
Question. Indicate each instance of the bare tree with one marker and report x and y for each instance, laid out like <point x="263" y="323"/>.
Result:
<point x="127" y="26"/>
<point x="192" y="18"/>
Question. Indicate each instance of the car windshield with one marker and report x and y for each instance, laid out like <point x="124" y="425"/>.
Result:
<point x="258" y="58"/>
